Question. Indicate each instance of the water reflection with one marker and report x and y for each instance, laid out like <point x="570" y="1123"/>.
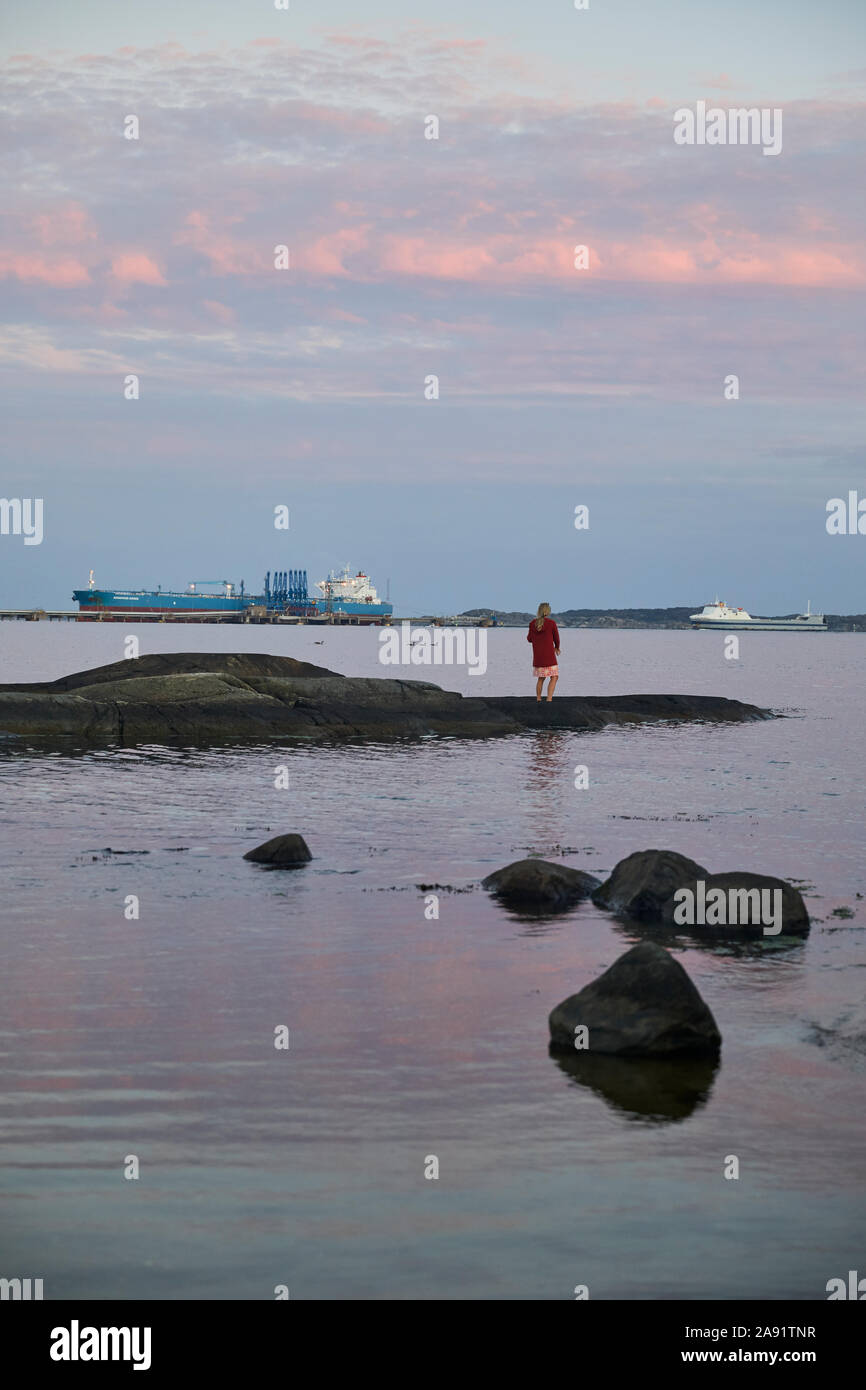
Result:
<point x="537" y="921"/>
<point x="549" y="756"/>
<point x="719" y="941"/>
<point x="643" y="1088"/>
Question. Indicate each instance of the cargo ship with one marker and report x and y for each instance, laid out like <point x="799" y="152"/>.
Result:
<point x="190" y="602"/>
<point x="350" y="593"/>
<point x="719" y="616"/>
<point x="285" y="597"/>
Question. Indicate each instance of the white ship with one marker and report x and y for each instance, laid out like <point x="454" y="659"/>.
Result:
<point x="718" y="615"/>
<point x="351" y="593"/>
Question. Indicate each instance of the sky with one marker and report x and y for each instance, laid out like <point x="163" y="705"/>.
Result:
<point x="454" y="258"/>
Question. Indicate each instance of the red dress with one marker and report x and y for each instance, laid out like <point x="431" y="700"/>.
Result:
<point x="544" y="647"/>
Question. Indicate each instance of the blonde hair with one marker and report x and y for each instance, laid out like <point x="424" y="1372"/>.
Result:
<point x="543" y="612"/>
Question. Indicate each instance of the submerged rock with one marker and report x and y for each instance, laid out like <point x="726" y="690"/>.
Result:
<point x="645" y="1005"/>
<point x="741" y="903"/>
<point x="281" y="852"/>
<point x="538" y="883"/>
<point x="641" y="884"/>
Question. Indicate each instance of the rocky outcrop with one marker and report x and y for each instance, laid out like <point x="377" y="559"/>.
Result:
<point x="217" y="697"/>
<point x="239" y="664"/>
<point x="645" y="1005"/>
<point x="640" y="885"/>
<point x="538" y="883"/>
<point x="597" y="711"/>
<point x="744" y="908"/>
<point x="281" y="852"/>
<point x="198" y="707"/>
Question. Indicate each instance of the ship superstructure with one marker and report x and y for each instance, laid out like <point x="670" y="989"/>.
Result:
<point x="350" y="593"/>
<point x="718" y="615"/>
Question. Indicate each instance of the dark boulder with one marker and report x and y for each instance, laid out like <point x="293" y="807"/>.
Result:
<point x="282" y="852"/>
<point x="640" y="885"/>
<point x="744" y="901"/>
<point x="645" y="1005"/>
<point x="538" y="883"/>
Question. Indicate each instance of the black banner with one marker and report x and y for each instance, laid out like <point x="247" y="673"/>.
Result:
<point x="222" y="1339"/>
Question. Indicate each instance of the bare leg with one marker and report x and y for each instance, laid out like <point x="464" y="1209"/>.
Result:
<point x="539" y="686"/>
<point x="551" y="686"/>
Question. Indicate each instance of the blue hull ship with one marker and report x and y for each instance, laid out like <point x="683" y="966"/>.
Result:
<point x="285" y="595"/>
<point x="155" y="602"/>
<point x="352" y="594"/>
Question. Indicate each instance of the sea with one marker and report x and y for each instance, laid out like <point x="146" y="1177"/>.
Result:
<point x="223" y="1082"/>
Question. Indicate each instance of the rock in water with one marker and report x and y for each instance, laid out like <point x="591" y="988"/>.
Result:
<point x="641" y="884"/>
<point x="282" y="852"/>
<point x="748" y="900"/>
<point x="538" y="883"/>
<point x="645" y="1005"/>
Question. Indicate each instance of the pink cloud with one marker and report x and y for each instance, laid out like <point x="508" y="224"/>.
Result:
<point x="226" y="256"/>
<point x="135" y="268"/>
<point x="106" y="312"/>
<point x="488" y="214"/>
<point x="221" y="312"/>
<point x="63" y="273"/>
<point x="325" y="256"/>
<point x="720" y="82"/>
<point x="343" y="316"/>
<point x="352" y="122"/>
<point x="360" y="41"/>
<point x="794" y="266"/>
<point x="431" y="257"/>
<point x="69" y="224"/>
<point x="550" y="260"/>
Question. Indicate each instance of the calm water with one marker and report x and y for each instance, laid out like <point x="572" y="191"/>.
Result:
<point x="413" y="1037"/>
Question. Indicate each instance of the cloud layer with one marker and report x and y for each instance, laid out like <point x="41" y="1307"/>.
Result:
<point x="408" y="254"/>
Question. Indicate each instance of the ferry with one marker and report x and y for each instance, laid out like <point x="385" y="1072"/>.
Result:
<point x="718" y="615"/>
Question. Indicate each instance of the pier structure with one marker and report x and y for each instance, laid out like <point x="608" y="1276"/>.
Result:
<point x="35" y="615"/>
<point x="253" y="614"/>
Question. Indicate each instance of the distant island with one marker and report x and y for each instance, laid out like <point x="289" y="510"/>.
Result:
<point x="639" y="618"/>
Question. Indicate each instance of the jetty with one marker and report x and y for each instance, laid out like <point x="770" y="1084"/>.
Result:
<point x="35" y="615"/>
<point x="260" y="616"/>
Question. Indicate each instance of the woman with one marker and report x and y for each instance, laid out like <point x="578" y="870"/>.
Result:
<point x="544" y="636"/>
